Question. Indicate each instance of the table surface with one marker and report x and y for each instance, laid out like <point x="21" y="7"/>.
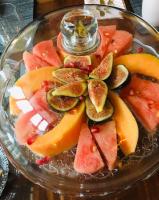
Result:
<point x="17" y="185"/>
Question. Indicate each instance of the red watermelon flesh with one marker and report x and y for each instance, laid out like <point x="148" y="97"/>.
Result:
<point x="24" y="127"/>
<point x="120" y="43"/>
<point x="41" y="108"/>
<point x="40" y="104"/>
<point x="47" y="52"/>
<point x="87" y="158"/>
<point x="108" y="31"/>
<point x="142" y="97"/>
<point x="106" y="34"/>
<point x="33" y="62"/>
<point x="106" y="139"/>
<point x="146" y="115"/>
<point x="144" y="88"/>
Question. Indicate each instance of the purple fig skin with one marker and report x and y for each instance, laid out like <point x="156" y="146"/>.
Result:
<point x="118" y="76"/>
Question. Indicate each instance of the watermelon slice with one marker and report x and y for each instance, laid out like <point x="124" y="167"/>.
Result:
<point x="106" y="139"/>
<point x="33" y="62"/>
<point x="47" y="52"/>
<point x="38" y="120"/>
<point x="146" y="115"/>
<point x="142" y="97"/>
<point x="143" y="88"/>
<point x="30" y="124"/>
<point x="121" y="42"/>
<point x="40" y="104"/>
<point x="106" y="34"/>
<point x="107" y="31"/>
<point x="87" y="158"/>
<point x="24" y="128"/>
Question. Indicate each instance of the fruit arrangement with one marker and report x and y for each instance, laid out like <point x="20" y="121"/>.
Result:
<point x="92" y="101"/>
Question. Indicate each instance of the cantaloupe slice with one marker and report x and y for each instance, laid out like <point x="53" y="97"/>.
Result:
<point x="63" y="137"/>
<point x="126" y="125"/>
<point x="30" y="83"/>
<point x="142" y="63"/>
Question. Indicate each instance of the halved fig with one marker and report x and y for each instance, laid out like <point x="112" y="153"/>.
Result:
<point x="61" y="103"/>
<point x="98" y="91"/>
<point x="101" y="116"/>
<point x="69" y="75"/>
<point x="80" y="62"/>
<point x="118" y="76"/>
<point x="74" y="89"/>
<point x="104" y="69"/>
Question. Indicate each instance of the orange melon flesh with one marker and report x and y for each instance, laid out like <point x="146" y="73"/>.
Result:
<point x="63" y="137"/>
<point x="30" y="83"/>
<point x="142" y="63"/>
<point x="126" y="125"/>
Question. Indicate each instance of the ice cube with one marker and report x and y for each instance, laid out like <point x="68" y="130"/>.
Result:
<point x="36" y="119"/>
<point x="43" y="125"/>
<point x="24" y="106"/>
<point x="16" y="92"/>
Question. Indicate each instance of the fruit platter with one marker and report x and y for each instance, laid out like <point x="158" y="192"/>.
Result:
<point x="79" y="105"/>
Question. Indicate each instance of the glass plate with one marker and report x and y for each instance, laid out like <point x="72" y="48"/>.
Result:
<point x="59" y="175"/>
<point x="4" y="167"/>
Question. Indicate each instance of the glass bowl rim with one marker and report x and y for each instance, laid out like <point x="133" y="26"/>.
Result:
<point x="142" y="176"/>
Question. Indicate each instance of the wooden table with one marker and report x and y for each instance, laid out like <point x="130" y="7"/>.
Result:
<point x="146" y="190"/>
<point x="18" y="185"/>
<point x="19" y="188"/>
